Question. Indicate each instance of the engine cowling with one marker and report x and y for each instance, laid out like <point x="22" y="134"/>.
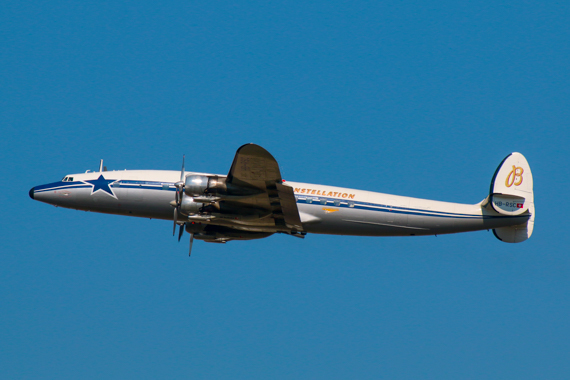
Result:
<point x="189" y="207"/>
<point x="196" y="185"/>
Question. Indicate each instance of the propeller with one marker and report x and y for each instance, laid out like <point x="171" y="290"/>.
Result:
<point x="178" y="199"/>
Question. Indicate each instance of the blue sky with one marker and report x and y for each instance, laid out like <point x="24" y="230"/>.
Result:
<point x="410" y="98"/>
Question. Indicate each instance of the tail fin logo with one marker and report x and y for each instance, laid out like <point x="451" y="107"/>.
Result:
<point x="515" y="177"/>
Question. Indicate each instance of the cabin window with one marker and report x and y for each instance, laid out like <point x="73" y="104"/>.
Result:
<point x="323" y="201"/>
<point x="309" y="200"/>
<point x="350" y="204"/>
<point x="165" y="186"/>
<point x="337" y="203"/>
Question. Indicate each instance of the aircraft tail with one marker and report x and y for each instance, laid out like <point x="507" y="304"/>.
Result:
<point x="512" y="194"/>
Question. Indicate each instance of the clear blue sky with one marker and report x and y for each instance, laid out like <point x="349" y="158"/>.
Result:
<point x="411" y="98"/>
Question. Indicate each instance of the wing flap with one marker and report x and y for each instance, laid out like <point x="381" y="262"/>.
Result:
<point x="289" y="207"/>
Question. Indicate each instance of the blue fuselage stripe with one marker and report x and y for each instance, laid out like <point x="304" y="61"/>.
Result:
<point x="334" y="202"/>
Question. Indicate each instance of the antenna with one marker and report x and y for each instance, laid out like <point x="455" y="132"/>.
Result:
<point x="101" y="166"/>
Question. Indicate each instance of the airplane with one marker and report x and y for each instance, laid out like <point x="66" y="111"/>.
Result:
<point x="253" y="201"/>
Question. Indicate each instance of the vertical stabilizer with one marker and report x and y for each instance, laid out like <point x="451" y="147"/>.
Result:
<point x="512" y="194"/>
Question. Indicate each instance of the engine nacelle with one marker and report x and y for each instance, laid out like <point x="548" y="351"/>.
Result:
<point x="196" y="185"/>
<point x="189" y="207"/>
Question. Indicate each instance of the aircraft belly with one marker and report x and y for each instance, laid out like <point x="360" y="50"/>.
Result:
<point x="82" y="199"/>
<point x="352" y="221"/>
<point x="131" y="202"/>
<point x="396" y="222"/>
<point x="147" y="203"/>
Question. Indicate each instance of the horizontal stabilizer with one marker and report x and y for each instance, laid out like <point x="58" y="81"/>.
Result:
<point x="506" y="204"/>
<point x="516" y="234"/>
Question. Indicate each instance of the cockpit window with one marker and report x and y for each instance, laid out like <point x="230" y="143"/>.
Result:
<point x="70" y="179"/>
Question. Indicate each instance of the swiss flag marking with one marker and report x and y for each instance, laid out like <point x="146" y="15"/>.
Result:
<point x="519" y="205"/>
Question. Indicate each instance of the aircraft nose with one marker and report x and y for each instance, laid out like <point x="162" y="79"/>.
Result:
<point x="32" y="192"/>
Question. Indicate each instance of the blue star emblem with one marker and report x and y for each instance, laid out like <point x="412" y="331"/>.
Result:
<point x="102" y="184"/>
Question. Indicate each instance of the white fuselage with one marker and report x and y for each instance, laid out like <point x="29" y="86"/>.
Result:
<point x="322" y="209"/>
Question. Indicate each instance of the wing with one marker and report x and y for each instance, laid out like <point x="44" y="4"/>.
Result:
<point x="251" y="202"/>
<point x="255" y="171"/>
<point x="254" y="167"/>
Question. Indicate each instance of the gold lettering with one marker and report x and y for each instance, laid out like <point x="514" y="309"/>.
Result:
<point x="297" y="190"/>
<point x="335" y="193"/>
<point x="313" y="192"/>
<point x="344" y="195"/>
<point x="515" y="177"/>
<point x="351" y="196"/>
<point x="319" y="192"/>
<point x="329" y="194"/>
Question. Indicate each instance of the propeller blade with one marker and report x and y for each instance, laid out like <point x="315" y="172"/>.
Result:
<point x="182" y="173"/>
<point x="178" y="201"/>
<point x="175" y="219"/>
<point x="191" y="242"/>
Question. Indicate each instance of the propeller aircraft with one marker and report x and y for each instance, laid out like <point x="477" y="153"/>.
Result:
<point x="253" y="201"/>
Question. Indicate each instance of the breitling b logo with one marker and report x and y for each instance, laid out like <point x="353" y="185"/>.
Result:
<point x="515" y="177"/>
